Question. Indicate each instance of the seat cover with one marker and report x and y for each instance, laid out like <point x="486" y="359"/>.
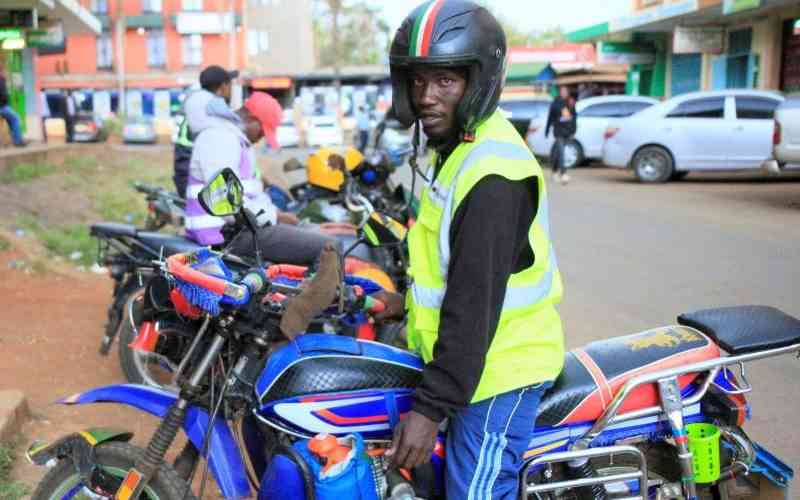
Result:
<point x="172" y="244"/>
<point x="112" y="230"/>
<point x="593" y="374"/>
<point x="744" y="329"/>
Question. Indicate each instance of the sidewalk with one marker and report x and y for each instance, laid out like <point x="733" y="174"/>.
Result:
<point x="32" y="153"/>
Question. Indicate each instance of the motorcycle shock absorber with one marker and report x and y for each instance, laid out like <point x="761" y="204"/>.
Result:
<point x="145" y="468"/>
<point x="583" y="469"/>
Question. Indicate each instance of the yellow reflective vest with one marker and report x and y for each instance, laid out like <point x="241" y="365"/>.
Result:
<point x="528" y="346"/>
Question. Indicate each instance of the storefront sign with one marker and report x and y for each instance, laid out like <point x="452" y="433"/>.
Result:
<point x="10" y="33"/>
<point x="273" y="82"/>
<point x="48" y="39"/>
<point x="733" y="6"/>
<point x="653" y="15"/>
<point x="797" y="27"/>
<point x="625" y="53"/>
<point x="698" y="40"/>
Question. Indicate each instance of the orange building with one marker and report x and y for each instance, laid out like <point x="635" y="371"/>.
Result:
<point x="165" y="44"/>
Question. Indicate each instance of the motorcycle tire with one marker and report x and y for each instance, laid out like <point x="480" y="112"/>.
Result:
<point x="116" y="311"/>
<point x="131" y="362"/>
<point x="115" y="459"/>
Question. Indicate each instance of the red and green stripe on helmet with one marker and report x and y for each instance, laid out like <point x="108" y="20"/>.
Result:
<point x="421" y="35"/>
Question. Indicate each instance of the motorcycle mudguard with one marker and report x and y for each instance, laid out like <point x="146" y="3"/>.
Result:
<point x="224" y="459"/>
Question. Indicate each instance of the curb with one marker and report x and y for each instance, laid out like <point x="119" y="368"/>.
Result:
<point x="13" y="413"/>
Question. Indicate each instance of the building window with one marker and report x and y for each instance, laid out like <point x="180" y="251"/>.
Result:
<point x="151" y="5"/>
<point x="252" y="42"/>
<point x="192" y="4"/>
<point x="156" y="49"/>
<point x="263" y="41"/>
<point x="100" y="6"/>
<point x="192" y="50"/>
<point x="104" y="53"/>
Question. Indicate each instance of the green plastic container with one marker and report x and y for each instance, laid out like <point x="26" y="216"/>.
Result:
<point x="704" y="445"/>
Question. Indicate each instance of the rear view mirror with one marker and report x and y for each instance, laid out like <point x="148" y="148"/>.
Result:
<point x="382" y="230"/>
<point x="223" y="195"/>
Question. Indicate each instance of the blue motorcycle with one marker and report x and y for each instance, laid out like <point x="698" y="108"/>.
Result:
<point x="654" y="415"/>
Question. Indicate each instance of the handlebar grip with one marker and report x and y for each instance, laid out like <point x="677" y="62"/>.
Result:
<point x="255" y="280"/>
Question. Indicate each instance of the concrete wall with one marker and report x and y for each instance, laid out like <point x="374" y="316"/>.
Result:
<point x="291" y="37"/>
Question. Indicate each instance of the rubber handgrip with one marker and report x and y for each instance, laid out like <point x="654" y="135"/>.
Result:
<point x="177" y="265"/>
<point x="286" y="271"/>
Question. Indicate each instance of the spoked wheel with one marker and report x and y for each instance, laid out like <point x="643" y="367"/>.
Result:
<point x="114" y="459"/>
<point x="156" y="368"/>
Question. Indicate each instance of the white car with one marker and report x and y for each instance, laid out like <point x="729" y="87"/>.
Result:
<point x="594" y="115"/>
<point x="785" y="136"/>
<point x="324" y="130"/>
<point x="287" y="131"/>
<point x="708" y="130"/>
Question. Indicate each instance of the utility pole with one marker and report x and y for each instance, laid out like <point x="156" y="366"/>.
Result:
<point x="232" y="59"/>
<point x="336" y="9"/>
<point x="119" y="33"/>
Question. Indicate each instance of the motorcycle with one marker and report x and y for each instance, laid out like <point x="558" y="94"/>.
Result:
<point x="613" y="425"/>
<point x="163" y="207"/>
<point x="130" y="256"/>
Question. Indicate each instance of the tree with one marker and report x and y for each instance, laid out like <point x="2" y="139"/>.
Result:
<point x="349" y="32"/>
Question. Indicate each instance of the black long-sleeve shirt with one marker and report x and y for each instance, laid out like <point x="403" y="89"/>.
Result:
<point x="562" y="118"/>
<point x="489" y="242"/>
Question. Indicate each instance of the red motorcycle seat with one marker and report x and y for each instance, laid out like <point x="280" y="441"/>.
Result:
<point x="593" y="374"/>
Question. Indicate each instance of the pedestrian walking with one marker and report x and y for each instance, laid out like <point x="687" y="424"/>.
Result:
<point x="481" y="311"/>
<point x="10" y="116"/>
<point x="69" y="116"/>
<point x="563" y="122"/>
<point x="362" y="122"/>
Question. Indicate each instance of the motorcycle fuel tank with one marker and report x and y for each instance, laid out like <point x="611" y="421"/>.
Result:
<point x="338" y="385"/>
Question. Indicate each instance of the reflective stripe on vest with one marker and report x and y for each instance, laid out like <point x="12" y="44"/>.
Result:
<point x="183" y="135"/>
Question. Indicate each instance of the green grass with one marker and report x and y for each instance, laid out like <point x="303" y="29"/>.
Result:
<point x="63" y="240"/>
<point x="26" y="172"/>
<point x="4" y="244"/>
<point x="9" y="488"/>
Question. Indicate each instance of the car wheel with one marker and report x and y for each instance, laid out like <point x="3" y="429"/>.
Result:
<point x="653" y="164"/>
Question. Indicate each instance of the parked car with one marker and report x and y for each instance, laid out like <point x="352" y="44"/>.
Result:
<point x="785" y="136"/>
<point x="288" y="136"/>
<point x="594" y="116"/>
<point x="89" y="128"/>
<point x="139" y="130"/>
<point x="521" y="110"/>
<point x="708" y="130"/>
<point x="324" y="130"/>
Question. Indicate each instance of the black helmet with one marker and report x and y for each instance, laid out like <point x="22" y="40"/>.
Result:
<point x="455" y="33"/>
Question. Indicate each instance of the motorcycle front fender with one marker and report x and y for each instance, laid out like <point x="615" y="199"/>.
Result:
<point x="224" y="458"/>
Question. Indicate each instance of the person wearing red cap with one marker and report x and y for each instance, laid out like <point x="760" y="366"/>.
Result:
<point x="224" y="143"/>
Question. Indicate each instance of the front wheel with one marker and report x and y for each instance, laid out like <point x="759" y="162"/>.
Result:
<point x="63" y="482"/>
<point x="653" y="164"/>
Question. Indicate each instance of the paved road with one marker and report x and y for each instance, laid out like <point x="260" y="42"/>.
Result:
<point x="635" y="256"/>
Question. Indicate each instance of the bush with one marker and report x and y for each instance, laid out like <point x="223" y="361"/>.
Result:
<point x="9" y="488"/>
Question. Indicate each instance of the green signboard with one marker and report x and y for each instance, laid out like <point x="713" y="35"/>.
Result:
<point x="10" y="33"/>
<point x="625" y="53"/>
<point x="733" y="6"/>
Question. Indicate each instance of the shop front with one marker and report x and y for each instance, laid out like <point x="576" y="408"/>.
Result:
<point x="790" y="57"/>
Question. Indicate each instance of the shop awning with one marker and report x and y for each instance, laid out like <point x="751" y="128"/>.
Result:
<point x="75" y="18"/>
<point x="524" y="72"/>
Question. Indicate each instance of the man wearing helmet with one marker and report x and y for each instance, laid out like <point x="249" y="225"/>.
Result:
<point x="481" y="305"/>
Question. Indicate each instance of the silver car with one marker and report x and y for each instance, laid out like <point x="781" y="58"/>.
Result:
<point x="785" y="136"/>
<point x="139" y="130"/>
<point x="699" y="131"/>
<point x="594" y="116"/>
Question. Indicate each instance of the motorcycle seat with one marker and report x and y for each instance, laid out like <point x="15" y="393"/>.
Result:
<point x="170" y="243"/>
<point x="595" y="373"/>
<point x="112" y="230"/>
<point x="744" y="329"/>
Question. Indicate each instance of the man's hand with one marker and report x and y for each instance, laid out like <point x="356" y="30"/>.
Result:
<point x="413" y="442"/>
<point x="395" y="305"/>
<point x="288" y="218"/>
